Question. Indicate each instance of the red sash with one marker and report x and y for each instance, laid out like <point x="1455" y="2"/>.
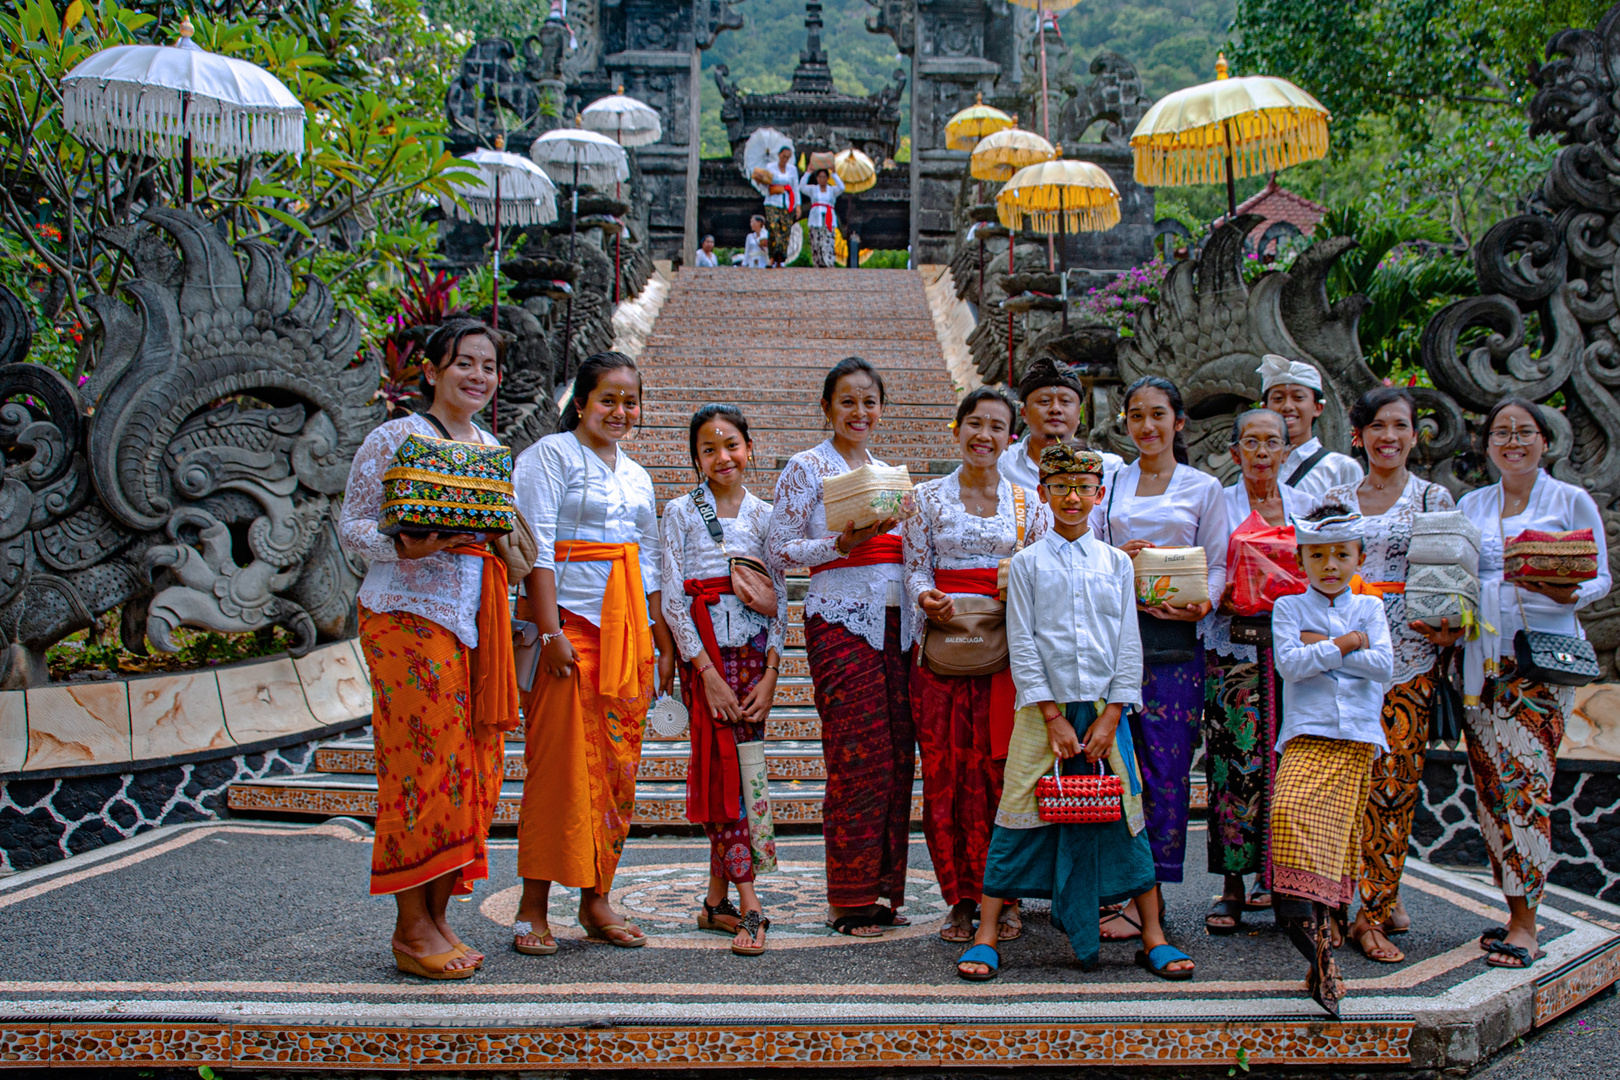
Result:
<point x="878" y="551"/>
<point x="713" y="779"/>
<point x="1003" y="695"/>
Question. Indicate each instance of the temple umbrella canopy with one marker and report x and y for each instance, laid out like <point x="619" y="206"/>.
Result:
<point x="576" y="156"/>
<point x="510" y="188"/>
<point x="1003" y="153"/>
<point x="625" y="120"/>
<point x="1230" y="127"/>
<point x="1059" y="196"/>
<point x="856" y="170"/>
<point x="964" y="130"/>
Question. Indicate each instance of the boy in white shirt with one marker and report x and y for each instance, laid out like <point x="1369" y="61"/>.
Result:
<point x="1072" y="643"/>
<point x="756" y="246"/>
<point x="1335" y="660"/>
<point x="1293" y="390"/>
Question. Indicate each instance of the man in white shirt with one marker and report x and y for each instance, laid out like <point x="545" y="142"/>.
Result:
<point x="1294" y="390"/>
<point x="1334" y="657"/>
<point x="1051" y="409"/>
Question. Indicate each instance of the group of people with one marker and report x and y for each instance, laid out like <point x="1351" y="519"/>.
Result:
<point x="1313" y="743"/>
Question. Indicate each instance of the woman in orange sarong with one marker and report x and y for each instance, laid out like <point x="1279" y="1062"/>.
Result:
<point x="592" y="593"/>
<point x="437" y="635"/>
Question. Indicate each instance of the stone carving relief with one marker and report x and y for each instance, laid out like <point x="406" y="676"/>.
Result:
<point x="194" y="478"/>
<point x="585" y="49"/>
<point x="492" y="96"/>
<point x="1115" y="97"/>
<point x="898" y="19"/>
<point x="713" y="18"/>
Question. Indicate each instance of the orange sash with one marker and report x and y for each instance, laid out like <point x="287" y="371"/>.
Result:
<point x="493" y="669"/>
<point x="626" y="638"/>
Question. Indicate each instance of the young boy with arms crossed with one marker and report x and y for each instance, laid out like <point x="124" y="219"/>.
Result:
<point x="1335" y="659"/>
<point x="1073" y="643"/>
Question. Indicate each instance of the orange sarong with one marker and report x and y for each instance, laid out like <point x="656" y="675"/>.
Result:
<point x="582" y="745"/>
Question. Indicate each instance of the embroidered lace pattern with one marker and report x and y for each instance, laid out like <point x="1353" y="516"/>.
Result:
<point x="1386" y="538"/>
<point x="854" y="597"/>
<point x="442" y="587"/>
<point x="690" y="553"/>
<point x="944" y="536"/>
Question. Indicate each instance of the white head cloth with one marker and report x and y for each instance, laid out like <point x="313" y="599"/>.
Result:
<point x="1280" y="371"/>
<point x="1334" y="530"/>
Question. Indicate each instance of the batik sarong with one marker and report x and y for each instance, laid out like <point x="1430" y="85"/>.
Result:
<point x="1513" y="737"/>
<point x="1316" y="813"/>
<point x="779" y="222"/>
<point x="868" y="738"/>
<point x="961" y="780"/>
<point x="438" y="772"/>
<point x="731" y="845"/>
<point x="1166" y="730"/>
<point x="1386" y="829"/>
<point x="1241" y="715"/>
<point x="823" y="247"/>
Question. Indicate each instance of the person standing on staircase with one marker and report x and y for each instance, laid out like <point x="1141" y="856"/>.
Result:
<point x="858" y="631"/>
<point x="966" y="525"/>
<point x="728" y="621"/>
<point x="593" y="593"/>
<point x="1293" y="389"/>
<point x="781" y="201"/>
<point x="822" y="189"/>
<point x="1052" y="407"/>
<point x="425" y="629"/>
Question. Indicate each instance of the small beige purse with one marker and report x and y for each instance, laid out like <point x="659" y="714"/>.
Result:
<point x="974" y="641"/>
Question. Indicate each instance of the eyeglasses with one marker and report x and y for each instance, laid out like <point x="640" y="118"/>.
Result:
<point x="1062" y="491"/>
<point x="1524" y="436"/>
<point x="1251" y="444"/>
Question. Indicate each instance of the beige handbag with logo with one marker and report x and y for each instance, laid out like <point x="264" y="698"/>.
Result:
<point x="974" y="641"/>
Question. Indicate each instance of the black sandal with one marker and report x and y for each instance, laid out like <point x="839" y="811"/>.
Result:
<point x="753" y="922"/>
<point x="887" y="916"/>
<point x="848" y="924"/>
<point x="709" y="923"/>
<point x="1224" y="908"/>
<point x="1499" y="947"/>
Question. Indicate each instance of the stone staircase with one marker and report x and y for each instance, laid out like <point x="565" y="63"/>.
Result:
<point x="763" y="340"/>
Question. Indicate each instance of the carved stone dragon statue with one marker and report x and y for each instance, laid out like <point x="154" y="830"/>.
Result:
<point x="194" y="479"/>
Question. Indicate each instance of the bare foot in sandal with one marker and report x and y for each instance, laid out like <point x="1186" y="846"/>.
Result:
<point x="861" y="921"/>
<point x="958" y="926"/>
<point x="1372" y="942"/>
<point x="1009" y="927"/>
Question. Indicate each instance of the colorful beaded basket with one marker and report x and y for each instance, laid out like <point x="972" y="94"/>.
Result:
<point x="441" y="486"/>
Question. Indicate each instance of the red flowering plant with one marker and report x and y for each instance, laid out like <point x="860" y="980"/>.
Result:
<point x="426" y="301"/>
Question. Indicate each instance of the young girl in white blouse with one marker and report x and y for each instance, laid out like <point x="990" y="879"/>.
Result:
<point x="731" y="655"/>
<point x="1161" y="501"/>
<point x="966" y="524"/>
<point x="822" y="189"/>
<point x="1515" y="725"/>
<point x="858" y="630"/>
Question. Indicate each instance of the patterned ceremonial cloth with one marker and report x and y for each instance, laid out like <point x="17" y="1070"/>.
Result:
<point x="961" y="778"/>
<point x="1061" y="458"/>
<point x="440" y="484"/>
<point x="1166" y="730"/>
<point x="779" y="221"/>
<point x="823" y="247"/>
<point x="1513" y="738"/>
<point x="1316" y="813"/>
<point x="582" y="750"/>
<point x="1242" y="711"/>
<point x="731" y="854"/>
<point x="868" y="738"/>
<point x="1386" y="829"/>
<point x="438" y="772"/>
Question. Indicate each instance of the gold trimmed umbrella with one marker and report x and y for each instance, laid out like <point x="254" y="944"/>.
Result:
<point x="999" y="155"/>
<point x="1242" y="127"/>
<point x="1063" y="195"/>
<point x="856" y="170"/>
<point x="964" y="130"/>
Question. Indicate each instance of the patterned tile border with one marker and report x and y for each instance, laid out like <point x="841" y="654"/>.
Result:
<point x="426" y="1047"/>
<point x="1559" y="991"/>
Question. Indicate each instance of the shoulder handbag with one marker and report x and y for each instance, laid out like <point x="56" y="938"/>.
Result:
<point x="1551" y="659"/>
<point x="1446" y="707"/>
<point x="526" y="644"/>
<point x="750" y="579"/>
<point x="1250" y="630"/>
<point x="1164" y="641"/>
<point x="974" y="641"/>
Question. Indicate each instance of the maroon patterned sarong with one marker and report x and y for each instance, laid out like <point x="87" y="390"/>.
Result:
<point x="961" y="780"/>
<point x="730" y="855"/>
<point x="867" y="737"/>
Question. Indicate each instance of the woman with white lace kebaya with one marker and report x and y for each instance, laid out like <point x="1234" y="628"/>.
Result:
<point x="822" y="189"/>
<point x="858" y="631"/>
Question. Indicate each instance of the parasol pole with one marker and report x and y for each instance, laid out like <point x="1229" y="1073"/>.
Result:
<point x="1046" y="116"/>
<point x="618" y="234"/>
<point x="1010" y="238"/>
<point x="1231" y="182"/>
<point x="573" y="225"/>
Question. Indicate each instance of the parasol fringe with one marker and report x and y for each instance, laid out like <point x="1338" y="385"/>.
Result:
<point x="1262" y="142"/>
<point x="513" y="212"/>
<point x="153" y="121"/>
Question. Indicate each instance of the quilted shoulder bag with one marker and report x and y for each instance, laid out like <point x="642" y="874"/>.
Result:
<point x="447" y="486"/>
<point x="750" y="580"/>
<point x="974" y="641"/>
<point x="1551" y="659"/>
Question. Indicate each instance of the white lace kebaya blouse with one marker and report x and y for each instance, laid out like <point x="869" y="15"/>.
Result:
<point x="854" y="597"/>
<point x="443" y="587"/>
<point x="568" y="493"/>
<point x="944" y="536"/>
<point x="1385" y="538"/>
<point x="691" y="554"/>
<point x="1190" y="513"/>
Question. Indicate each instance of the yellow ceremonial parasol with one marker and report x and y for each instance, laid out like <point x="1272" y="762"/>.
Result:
<point x="966" y="128"/>
<point x="1003" y="153"/>
<point x="856" y="170"/>
<point x="1063" y="195"/>
<point x="1242" y="127"/>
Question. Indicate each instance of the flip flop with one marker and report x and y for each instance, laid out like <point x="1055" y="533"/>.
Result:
<point x="1158" y="959"/>
<point x="1498" y="947"/>
<point x="524" y="928"/>
<point x="1120" y="914"/>
<point x="1224" y="908"/>
<point x="1007" y="929"/>
<point x="600" y="933"/>
<point x="963" y="928"/>
<point x="1252" y="904"/>
<point x="432" y="967"/>
<point x="848" y="924"/>
<point x="887" y="916"/>
<point x="980" y="954"/>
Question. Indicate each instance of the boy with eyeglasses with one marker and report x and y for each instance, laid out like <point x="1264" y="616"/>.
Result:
<point x="1073" y="646"/>
<point x="1293" y="390"/>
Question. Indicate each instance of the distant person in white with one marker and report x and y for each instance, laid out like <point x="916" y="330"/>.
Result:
<point x="1294" y="390"/>
<point x="754" y="247"/>
<point x="1051" y="400"/>
<point x="705" y="254"/>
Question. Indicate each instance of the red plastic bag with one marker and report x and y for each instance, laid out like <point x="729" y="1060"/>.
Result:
<point x="1261" y="565"/>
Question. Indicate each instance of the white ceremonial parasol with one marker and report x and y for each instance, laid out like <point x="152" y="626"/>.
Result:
<point x="760" y="151"/>
<point x="627" y="121"/>
<point x="179" y="100"/>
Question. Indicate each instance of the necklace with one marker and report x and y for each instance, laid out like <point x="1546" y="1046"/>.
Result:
<point x="1377" y="486"/>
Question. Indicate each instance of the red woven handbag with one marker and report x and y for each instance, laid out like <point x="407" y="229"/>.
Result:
<point x="1079" y="800"/>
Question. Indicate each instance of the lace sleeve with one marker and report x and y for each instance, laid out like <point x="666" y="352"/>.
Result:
<point x="916" y="534"/>
<point x="362" y="501"/>
<point x="677" y="605"/>
<point x="1037" y="518"/>
<point x="776" y="629"/>
<point x="798" y="492"/>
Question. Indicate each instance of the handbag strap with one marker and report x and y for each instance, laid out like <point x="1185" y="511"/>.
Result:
<point x="1306" y="466"/>
<point x="710" y="521"/>
<point x="1018" y="518"/>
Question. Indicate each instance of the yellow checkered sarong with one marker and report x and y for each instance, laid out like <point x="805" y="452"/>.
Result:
<point x="1316" y="810"/>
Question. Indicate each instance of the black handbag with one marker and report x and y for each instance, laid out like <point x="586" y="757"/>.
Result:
<point x="1446" y="706"/>
<point x="1251" y="630"/>
<point x="1553" y="659"/>
<point x="1166" y="641"/>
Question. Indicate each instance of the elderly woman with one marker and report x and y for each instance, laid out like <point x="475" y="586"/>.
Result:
<point x="1516" y="724"/>
<point x="1242" y="697"/>
<point x="1385" y="428"/>
<point x="781" y="182"/>
<point x="437" y="636"/>
<point x="966" y="524"/>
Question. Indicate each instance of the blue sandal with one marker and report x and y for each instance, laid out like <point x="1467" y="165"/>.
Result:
<point x="1158" y="959"/>
<point x="980" y="954"/>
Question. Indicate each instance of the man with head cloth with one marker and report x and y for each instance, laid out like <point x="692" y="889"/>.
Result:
<point x="1294" y="390"/>
<point x="1052" y="401"/>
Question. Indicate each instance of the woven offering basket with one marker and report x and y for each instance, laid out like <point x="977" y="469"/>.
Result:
<point x="443" y="486"/>
<point x="867" y="495"/>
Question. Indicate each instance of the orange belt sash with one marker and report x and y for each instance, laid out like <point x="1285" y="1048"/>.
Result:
<point x="493" y="670"/>
<point x="626" y="638"/>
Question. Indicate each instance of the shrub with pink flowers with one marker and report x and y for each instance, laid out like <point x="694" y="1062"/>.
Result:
<point x="1117" y="303"/>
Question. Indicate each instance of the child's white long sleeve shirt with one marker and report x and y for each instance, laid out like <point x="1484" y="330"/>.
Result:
<point x="1327" y="693"/>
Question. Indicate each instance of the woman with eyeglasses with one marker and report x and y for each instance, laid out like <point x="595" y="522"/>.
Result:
<point x="1384" y="423"/>
<point x="1243" y="699"/>
<point x="966" y="524"/>
<point x="1514" y="732"/>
